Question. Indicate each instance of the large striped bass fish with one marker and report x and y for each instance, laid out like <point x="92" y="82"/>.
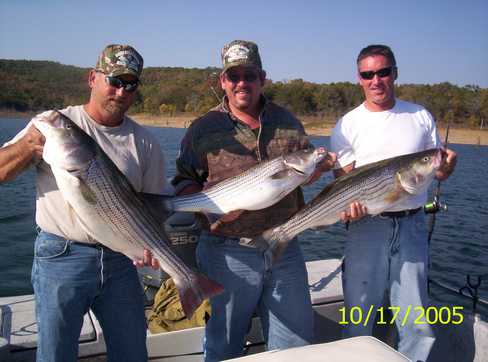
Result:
<point x="109" y="209"/>
<point x="378" y="186"/>
<point x="256" y="188"/>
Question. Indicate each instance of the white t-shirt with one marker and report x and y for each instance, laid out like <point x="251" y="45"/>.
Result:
<point x="365" y="137"/>
<point x="133" y="149"/>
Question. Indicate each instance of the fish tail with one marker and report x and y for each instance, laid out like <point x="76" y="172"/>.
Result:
<point x="272" y="242"/>
<point x="168" y="205"/>
<point x="192" y="295"/>
<point x="263" y="242"/>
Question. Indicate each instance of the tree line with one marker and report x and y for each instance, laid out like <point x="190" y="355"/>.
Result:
<point x="32" y="86"/>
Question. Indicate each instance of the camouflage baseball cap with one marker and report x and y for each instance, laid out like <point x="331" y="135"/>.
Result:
<point x="240" y="52"/>
<point x="118" y="59"/>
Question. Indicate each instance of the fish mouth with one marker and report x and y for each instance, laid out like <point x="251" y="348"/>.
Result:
<point x="300" y="170"/>
<point x="437" y="159"/>
<point x="297" y="170"/>
<point x="308" y="166"/>
<point x="320" y="154"/>
<point x="419" y="178"/>
<point x="294" y="167"/>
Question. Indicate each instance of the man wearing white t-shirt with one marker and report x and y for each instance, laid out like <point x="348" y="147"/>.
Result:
<point x="71" y="272"/>
<point x="388" y="252"/>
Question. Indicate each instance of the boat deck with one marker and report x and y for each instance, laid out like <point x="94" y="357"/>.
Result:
<point x="454" y="343"/>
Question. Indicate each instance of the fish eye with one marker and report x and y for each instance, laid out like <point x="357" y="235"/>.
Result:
<point x="426" y="159"/>
<point x="68" y="126"/>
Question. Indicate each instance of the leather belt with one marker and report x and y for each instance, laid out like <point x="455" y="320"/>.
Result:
<point x="402" y="213"/>
<point x="89" y="245"/>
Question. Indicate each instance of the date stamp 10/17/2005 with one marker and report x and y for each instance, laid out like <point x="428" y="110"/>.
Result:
<point x="389" y="315"/>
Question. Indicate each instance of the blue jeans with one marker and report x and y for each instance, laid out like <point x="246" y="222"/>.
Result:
<point x="278" y="294"/>
<point x="70" y="278"/>
<point x="389" y="254"/>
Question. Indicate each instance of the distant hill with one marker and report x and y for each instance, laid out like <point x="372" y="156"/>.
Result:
<point x="36" y="85"/>
<point x="31" y="86"/>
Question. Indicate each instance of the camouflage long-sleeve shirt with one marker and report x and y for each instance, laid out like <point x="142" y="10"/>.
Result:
<point x="217" y="146"/>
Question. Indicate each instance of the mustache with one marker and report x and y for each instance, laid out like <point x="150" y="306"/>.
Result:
<point x="120" y="100"/>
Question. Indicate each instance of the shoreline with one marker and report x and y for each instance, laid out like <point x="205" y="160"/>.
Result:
<point x="465" y="136"/>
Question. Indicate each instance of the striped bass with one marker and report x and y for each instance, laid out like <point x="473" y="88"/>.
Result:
<point x="256" y="188"/>
<point x="379" y="186"/>
<point x="108" y="208"/>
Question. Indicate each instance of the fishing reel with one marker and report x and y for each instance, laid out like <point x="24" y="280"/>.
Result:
<point x="435" y="206"/>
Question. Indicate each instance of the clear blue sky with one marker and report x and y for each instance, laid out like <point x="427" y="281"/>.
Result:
<point x="318" y="41"/>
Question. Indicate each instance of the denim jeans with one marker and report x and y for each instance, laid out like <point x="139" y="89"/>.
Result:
<point x="70" y="278"/>
<point x="279" y="294"/>
<point x="389" y="254"/>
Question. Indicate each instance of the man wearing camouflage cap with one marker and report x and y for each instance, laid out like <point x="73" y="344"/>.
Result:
<point x="242" y="131"/>
<point x="73" y="273"/>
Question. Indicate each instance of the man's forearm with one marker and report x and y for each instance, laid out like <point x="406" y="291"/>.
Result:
<point x="13" y="160"/>
<point x="16" y="157"/>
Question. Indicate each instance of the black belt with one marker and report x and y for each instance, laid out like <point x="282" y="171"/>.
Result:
<point x="89" y="245"/>
<point x="402" y="213"/>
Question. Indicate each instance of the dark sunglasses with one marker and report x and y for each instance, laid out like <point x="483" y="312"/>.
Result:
<point x="247" y="76"/>
<point x="382" y="73"/>
<point x="119" y="83"/>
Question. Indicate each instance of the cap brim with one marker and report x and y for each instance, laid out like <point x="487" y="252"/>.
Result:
<point x="119" y="72"/>
<point x="243" y="63"/>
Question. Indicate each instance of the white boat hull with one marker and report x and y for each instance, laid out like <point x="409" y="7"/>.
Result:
<point x="465" y="342"/>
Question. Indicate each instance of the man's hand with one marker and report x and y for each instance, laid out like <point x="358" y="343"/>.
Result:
<point x="356" y="212"/>
<point x="323" y="166"/>
<point x="34" y="141"/>
<point x="449" y="160"/>
<point x="147" y="260"/>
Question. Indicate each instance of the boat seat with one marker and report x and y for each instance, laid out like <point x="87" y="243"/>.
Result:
<point x="19" y="329"/>
<point x="324" y="280"/>
<point x="18" y="323"/>
<point x="356" y="349"/>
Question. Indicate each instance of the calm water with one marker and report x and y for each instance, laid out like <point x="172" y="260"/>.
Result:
<point x="459" y="245"/>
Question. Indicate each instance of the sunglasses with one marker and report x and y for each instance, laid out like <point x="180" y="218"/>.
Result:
<point x="247" y="76"/>
<point x="382" y="73"/>
<point x="119" y="83"/>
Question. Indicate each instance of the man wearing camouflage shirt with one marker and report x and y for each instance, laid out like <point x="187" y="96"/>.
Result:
<point x="244" y="130"/>
<point x="73" y="273"/>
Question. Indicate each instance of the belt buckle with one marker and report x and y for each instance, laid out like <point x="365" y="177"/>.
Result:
<point x="245" y="242"/>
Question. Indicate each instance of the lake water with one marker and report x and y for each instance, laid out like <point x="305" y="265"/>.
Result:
<point x="459" y="245"/>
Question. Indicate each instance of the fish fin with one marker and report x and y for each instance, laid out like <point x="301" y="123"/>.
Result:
<point x="280" y="175"/>
<point x="192" y="295"/>
<point x="395" y="194"/>
<point x="160" y="206"/>
<point x="87" y="193"/>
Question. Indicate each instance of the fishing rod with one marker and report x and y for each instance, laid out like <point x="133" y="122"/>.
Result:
<point x="470" y="288"/>
<point x="433" y="207"/>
